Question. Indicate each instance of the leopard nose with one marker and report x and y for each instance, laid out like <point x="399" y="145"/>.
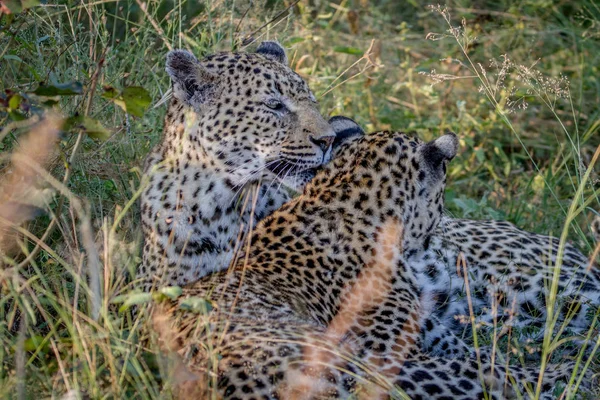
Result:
<point x="323" y="142"/>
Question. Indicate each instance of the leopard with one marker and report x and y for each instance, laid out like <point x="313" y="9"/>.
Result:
<point x="502" y="275"/>
<point x="242" y="134"/>
<point x="508" y="271"/>
<point x="323" y="304"/>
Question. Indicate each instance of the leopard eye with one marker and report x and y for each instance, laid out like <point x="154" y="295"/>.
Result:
<point x="275" y="104"/>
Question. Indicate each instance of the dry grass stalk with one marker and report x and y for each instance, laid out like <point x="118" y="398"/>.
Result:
<point x="361" y="296"/>
<point x="21" y="192"/>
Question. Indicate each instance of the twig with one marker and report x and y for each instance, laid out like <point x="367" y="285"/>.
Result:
<point x="462" y="262"/>
<point x="60" y="365"/>
<point x="370" y="64"/>
<point x="159" y="30"/>
<point x="251" y="35"/>
<point x="58" y="58"/>
<point x="237" y="28"/>
<point x="18" y="124"/>
<point x="20" y="357"/>
<point x="12" y="37"/>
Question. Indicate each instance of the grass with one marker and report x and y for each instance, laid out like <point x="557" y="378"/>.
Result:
<point x="518" y="81"/>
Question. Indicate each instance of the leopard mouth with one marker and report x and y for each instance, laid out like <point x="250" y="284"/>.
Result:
<point x="288" y="172"/>
<point x="285" y="168"/>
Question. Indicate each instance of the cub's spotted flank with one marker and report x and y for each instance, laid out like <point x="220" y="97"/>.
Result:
<point x="323" y="304"/>
<point x="509" y="271"/>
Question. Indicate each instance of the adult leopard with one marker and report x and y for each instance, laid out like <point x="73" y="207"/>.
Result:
<point x="323" y="304"/>
<point x="509" y="272"/>
<point x="240" y="131"/>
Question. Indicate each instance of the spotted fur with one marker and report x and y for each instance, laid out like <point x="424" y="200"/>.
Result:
<point x="509" y="272"/>
<point x="323" y="304"/>
<point x="241" y="130"/>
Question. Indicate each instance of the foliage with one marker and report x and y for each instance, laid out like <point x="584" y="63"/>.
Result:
<point x="518" y="81"/>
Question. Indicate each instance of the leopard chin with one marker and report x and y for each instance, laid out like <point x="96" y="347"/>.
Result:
<point x="292" y="176"/>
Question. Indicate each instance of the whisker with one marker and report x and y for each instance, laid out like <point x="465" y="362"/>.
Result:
<point x="250" y="176"/>
<point x="277" y="178"/>
<point x="253" y="173"/>
<point x="292" y="168"/>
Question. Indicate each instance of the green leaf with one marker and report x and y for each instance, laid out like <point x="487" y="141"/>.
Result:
<point x="12" y="57"/>
<point x="133" y="100"/>
<point x="59" y="89"/>
<point x="167" y="293"/>
<point x="109" y="185"/>
<point x="137" y="100"/>
<point x="110" y="93"/>
<point x="32" y="343"/>
<point x="468" y="206"/>
<point x="14" y="102"/>
<point x="172" y="292"/>
<point x="294" y="40"/>
<point x="196" y="304"/>
<point x="120" y="298"/>
<point x="49" y="102"/>
<point x="30" y="3"/>
<point x="538" y="184"/>
<point x="135" y="299"/>
<point x="92" y="127"/>
<point x="506" y="169"/>
<point x="17" y="115"/>
<point x="480" y="155"/>
<point x="42" y="39"/>
<point x="9" y="18"/>
<point x="348" y="50"/>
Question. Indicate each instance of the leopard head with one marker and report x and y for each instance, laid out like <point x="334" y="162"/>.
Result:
<point x="386" y="175"/>
<point x="249" y="116"/>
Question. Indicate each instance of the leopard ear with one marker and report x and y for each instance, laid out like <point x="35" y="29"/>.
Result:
<point x="440" y="150"/>
<point x="192" y="83"/>
<point x="344" y="128"/>
<point x="274" y="51"/>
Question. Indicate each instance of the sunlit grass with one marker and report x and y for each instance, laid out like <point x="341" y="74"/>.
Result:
<point x="517" y="82"/>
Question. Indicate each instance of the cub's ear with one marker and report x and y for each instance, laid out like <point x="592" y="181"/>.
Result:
<point x="344" y="128"/>
<point x="192" y="83"/>
<point x="274" y="51"/>
<point x="440" y="150"/>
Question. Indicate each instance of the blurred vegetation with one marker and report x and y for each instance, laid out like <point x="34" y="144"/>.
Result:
<point x="517" y="80"/>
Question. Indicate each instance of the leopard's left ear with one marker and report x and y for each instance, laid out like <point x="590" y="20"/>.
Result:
<point x="274" y="51"/>
<point x="344" y="128"/>
<point x="192" y="83"/>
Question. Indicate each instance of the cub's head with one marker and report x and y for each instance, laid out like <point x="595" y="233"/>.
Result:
<point x="250" y="115"/>
<point x="386" y="175"/>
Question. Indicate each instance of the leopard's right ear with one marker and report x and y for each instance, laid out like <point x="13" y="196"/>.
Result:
<point x="192" y="83"/>
<point x="274" y="51"/>
<point x="439" y="152"/>
<point x="344" y="128"/>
